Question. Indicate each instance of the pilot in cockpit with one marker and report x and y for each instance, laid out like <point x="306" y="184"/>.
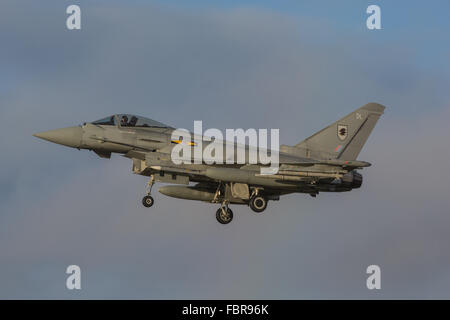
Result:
<point x="124" y="121"/>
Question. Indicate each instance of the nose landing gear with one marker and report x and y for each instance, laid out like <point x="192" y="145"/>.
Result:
<point x="224" y="215"/>
<point x="148" y="200"/>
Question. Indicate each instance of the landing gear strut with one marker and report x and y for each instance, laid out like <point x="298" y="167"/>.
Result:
<point x="148" y="201"/>
<point x="224" y="215"/>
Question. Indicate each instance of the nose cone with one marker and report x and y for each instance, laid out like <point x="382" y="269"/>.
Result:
<point x="70" y="137"/>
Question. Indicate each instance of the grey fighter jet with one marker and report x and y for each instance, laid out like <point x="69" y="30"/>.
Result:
<point x="324" y="162"/>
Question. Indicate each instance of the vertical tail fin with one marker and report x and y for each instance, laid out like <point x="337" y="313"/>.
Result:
<point x="345" y="138"/>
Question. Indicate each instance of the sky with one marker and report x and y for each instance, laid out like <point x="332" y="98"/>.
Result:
<point x="293" y="65"/>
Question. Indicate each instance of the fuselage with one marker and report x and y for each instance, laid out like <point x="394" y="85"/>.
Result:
<point x="108" y="138"/>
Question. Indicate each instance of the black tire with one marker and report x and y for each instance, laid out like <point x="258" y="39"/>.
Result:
<point x="258" y="204"/>
<point x="148" y="201"/>
<point x="224" y="217"/>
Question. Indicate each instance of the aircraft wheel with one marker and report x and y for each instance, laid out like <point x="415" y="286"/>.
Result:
<point x="148" y="201"/>
<point x="258" y="204"/>
<point x="224" y="216"/>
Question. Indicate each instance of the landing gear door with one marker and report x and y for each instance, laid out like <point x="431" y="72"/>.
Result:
<point x="174" y="178"/>
<point x="240" y="191"/>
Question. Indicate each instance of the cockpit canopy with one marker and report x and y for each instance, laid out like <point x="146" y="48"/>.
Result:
<point x="129" y="120"/>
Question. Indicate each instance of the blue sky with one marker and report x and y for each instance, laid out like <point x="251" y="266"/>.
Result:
<point x="292" y="65"/>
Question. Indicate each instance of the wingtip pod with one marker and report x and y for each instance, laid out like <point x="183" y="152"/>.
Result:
<point x="374" y="107"/>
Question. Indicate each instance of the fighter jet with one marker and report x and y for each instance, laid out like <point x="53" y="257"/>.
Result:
<point x="324" y="162"/>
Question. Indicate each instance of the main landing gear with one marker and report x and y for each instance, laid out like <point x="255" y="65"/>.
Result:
<point x="224" y="215"/>
<point x="258" y="203"/>
<point x="148" y="200"/>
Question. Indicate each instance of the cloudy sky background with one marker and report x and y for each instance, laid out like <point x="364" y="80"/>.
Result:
<point x="293" y="65"/>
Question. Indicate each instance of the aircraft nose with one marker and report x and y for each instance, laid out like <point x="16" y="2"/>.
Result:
<point x="70" y="137"/>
